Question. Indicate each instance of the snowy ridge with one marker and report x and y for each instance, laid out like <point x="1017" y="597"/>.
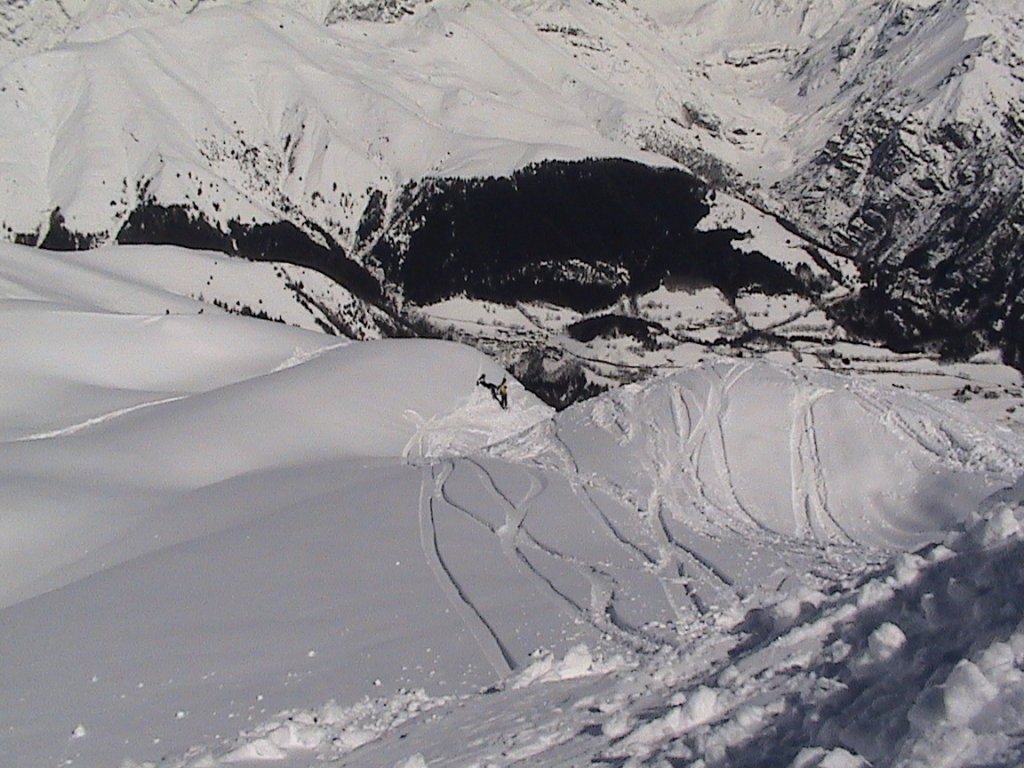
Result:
<point x="166" y="279"/>
<point x="265" y="140"/>
<point x="782" y="457"/>
<point x="237" y="543"/>
<point x="215" y="525"/>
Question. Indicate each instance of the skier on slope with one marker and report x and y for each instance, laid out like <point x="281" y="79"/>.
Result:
<point x="498" y="391"/>
<point x="503" y="394"/>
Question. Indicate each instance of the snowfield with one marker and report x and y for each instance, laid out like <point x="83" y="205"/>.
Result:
<point x="228" y="542"/>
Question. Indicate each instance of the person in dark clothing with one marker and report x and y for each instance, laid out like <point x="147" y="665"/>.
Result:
<point x="503" y="394"/>
<point x="498" y="391"/>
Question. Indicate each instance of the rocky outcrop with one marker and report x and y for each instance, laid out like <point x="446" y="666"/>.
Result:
<point x="921" y="181"/>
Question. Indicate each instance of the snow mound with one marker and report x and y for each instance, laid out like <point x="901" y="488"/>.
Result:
<point x="387" y="398"/>
<point x="327" y="733"/>
<point x="734" y="448"/>
<point x="210" y="519"/>
<point x="931" y="675"/>
<point x="368" y="399"/>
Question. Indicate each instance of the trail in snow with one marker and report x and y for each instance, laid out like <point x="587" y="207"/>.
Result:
<point x="514" y="539"/>
<point x="718" y="407"/>
<point x="95" y="420"/>
<point x="516" y="542"/>
<point x="812" y="513"/>
<point x="488" y="641"/>
<point x="697" y="515"/>
<point x="722" y="624"/>
<point x="685" y="487"/>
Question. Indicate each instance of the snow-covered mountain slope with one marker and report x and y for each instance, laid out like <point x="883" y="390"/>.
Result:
<point x="889" y="130"/>
<point x="884" y="673"/>
<point x="229" y="542"/>
<point x="319" y="134"/>
<point x="272" y="116"/>
<point x="167" y="279"/>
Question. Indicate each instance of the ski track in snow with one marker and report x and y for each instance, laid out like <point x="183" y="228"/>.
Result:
<point x="510" y="534"/>
<point x="719" y="452"/>
<point x="676" y="528"/>
<point x="693" y="438"/>
<point x="738" y="662"/>
<point x="583" y="492"/>
<point x="515" y="538"/>
<point x="475" y="622"/>
<point x="812" y="513"/>
<point x="95" y="420"/>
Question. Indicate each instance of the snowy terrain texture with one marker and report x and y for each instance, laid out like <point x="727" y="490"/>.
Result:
<point x="890" y="132"/>
<point x="227" y="542"/>
<point x="236" y="543"/>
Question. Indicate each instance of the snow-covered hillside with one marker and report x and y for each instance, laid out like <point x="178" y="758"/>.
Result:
<point x="230" y="542"/>
<point x="233" y="542"/>
<point x="326" y="131"/>
<point x="272" y="116"/>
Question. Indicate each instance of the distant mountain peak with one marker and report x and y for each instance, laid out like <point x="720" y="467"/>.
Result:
<point x="889" y="131"/>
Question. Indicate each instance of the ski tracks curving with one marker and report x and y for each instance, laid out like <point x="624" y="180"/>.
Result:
<point x="812" y="514"/>
<point x="96" y="420"/>
<point x="516" y="541"/>
<point x="486" y="638"/>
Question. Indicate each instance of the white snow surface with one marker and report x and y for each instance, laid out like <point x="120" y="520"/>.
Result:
<point x="262" y="111"/>
<point x="228" y="542"/>
<point x="251" y="112"/>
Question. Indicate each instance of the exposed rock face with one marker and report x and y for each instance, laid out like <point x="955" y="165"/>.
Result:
<point x="959" y="290"/>
<point x="922" y="178"/>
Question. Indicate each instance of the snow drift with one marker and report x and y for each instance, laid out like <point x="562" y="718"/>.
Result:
<point x="209" y="520"/>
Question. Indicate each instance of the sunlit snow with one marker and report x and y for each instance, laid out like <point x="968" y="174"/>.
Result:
<point x="233" y="542"/>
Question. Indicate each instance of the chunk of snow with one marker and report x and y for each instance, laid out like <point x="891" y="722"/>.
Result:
<point x="294" y="735"/>
<point x="886" y="641"/>
<point x="577" y="662"/>
<point x="816" y="757"/>
<point x="1000" y="525"/>
<point x="701" y="707"/>
<point x="260" y="749"/>
<point x="874" y="593"/>
<point x="965" y="692"/>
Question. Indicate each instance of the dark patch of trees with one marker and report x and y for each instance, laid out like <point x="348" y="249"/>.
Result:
<point x="60" y="238"/>
<point x="644" y="331"/>
<point x="577" y="234"/>
<point x="152" y="223"/>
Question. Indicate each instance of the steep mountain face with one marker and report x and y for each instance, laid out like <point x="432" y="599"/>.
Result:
<point x="274" y="137"/>
<point x="891" y="131"/>
<point x="340" y="134"/>
<point x="922" y="179"/>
